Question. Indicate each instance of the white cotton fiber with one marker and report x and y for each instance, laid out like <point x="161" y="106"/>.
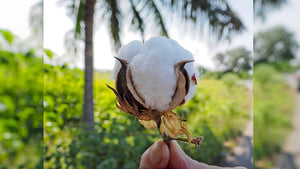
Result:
<point x="152" y="67"/>
<point x="126" y="52"/>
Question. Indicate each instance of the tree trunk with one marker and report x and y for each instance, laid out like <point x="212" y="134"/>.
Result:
<point x="88" y="107"/>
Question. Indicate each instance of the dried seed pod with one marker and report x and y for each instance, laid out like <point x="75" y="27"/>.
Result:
<point x="136" y="95"/>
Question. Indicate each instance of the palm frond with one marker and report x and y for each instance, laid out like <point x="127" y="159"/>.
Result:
<point x="74" y="37"/>
<point x="75" y="12"/>
<point x="114" y="16"/>
<point x="137" y="19"/>
<point x="79" y="20"/>
<point x="36" y="19"/>
<point x="152" y="6"/>
<point x="73" y="45"/>
<point x="222" y="20"/>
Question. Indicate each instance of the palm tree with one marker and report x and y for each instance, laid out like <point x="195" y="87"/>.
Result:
<point x="219" y="16"/>
<point x="36" y="24"/>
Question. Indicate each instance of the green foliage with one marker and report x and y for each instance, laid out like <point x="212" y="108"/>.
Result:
<point x="266" y="74"/>
<point x="119" y="140"/>
<point x="49" y="53"/>
<point x="285" y="66"/>
<point x="273" y="111"/>
<point x="8" y="36"/>
<point x="246" y="75"/>
<point x="21" y="94"/>
<point x="230" y="80"/>
<point x="218" y="75"/>
<point x="212" y="75"/>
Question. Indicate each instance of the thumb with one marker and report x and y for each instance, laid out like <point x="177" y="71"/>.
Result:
<point x="156" y="157"/>
<point x="179" y="160"/>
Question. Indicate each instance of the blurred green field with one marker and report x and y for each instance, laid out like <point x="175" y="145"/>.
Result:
<point x="21" y="106"/>
<point x="33" y="91"/>
<point x="219" y="112"/>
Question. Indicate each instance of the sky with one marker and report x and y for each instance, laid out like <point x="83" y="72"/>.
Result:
<point x="14" y="16"/>
<point x="56" y="24"/>
<point x="103" y="53"/>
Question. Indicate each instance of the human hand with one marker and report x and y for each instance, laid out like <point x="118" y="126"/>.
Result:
<point x="160" y="156"/>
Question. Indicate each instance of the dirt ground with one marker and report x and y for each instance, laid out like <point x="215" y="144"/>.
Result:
<point x="243" y="152"/>
<point x="290" y="156"/>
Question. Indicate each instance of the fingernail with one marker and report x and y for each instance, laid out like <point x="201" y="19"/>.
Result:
<point x="155" y="153"/>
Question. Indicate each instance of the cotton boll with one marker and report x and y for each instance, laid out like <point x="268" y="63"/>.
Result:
<point x="181" y="53"/>
<point x="126" y="52"/>
<point x="159" y="49"/>
<point x="152" y="69"/>
<point x="155" y="81"/>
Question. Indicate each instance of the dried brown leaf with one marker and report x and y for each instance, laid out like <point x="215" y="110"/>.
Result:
<point x="171" y="125"/>
<point x="148" y="124"/>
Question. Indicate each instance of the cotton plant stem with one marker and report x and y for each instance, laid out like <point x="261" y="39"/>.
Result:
<point x="196" y="140"/>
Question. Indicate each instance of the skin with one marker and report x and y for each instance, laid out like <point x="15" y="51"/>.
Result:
<point x="160" y="156"/>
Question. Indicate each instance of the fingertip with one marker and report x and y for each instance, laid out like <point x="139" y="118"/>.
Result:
<point x="174" y="146"/>
<point x="157" y="156"/>
<point x="178" y="159"/>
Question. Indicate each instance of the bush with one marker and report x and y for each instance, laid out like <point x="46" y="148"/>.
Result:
<point x="266" y="74"/>
<point x="273" y="111"/>
<point x="230" y="80"/>
<point x="285" y="66"/>
<point x="21" y="107"/>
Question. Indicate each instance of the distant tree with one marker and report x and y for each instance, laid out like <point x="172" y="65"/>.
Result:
<point x="201" y="70"/>
<point x="235" y="60"/>
<point x="274" y="45"/>
<point x="221" y="19"/>
<point x="263" y="7"/>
